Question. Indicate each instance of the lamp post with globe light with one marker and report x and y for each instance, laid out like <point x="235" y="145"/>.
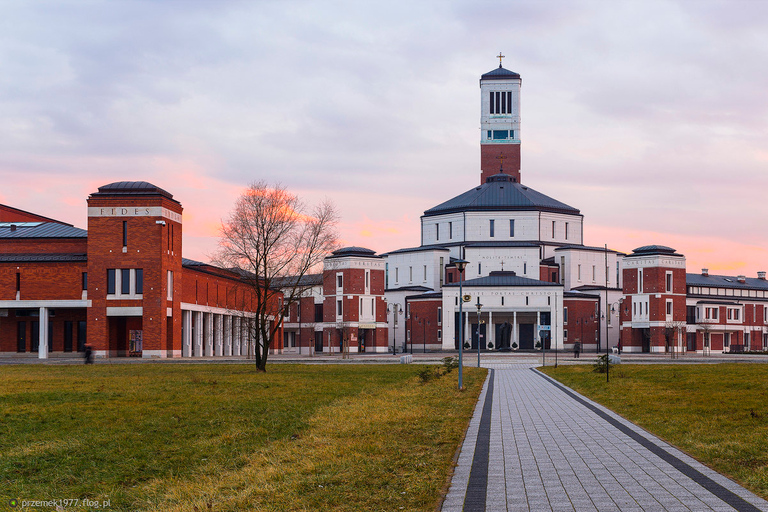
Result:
<point x="461" y="264"/>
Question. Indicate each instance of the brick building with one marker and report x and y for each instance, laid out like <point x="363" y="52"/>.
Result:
<point x="122" y="286"/>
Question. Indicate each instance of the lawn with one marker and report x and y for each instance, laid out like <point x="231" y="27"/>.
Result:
<point x="716" y="413"/>
<point x="226" y="438"/>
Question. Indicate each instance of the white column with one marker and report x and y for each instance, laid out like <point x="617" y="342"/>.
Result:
<point x="186" y="339"/>
<point x="237" y="342"/>
<point x="490" y="331"/>
<point x="515" y="334"/>
<point x="198" y="347"/>
<point x="42" y="344"/>
<point x="218" y="336"/>
<point x="536" y="336"/>
<point x="227" y="335"/>
<point x="208" y="322"/>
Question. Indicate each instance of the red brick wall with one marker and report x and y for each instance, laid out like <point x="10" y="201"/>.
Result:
<point x="490" y="162"/>
<point x="44" y="246"/>
<point x="426" y="331"/>
<point x="42" y="280"/>
<point x="582" y="324"/>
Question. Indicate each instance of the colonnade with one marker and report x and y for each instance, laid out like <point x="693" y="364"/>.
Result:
<point x="208" y="334"/>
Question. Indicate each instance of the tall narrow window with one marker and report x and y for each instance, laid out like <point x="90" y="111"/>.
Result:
<point x="18" y="281"/>
<point x="169" y="295"/>
<point x="125" y="281"/>
<point x="669" y="282"/>
<point x="437" y="231"/>
<point x="493" y="230"/>
<point x="493" y="104"/>
<point x="509" y="103"/>
<point x="640" y="280"/>
<point x="511" y="228"/>
<point x="553" y="229"/>
<point x="410" y="274"/>
<point x="425" y="272"/>
<point x="525" y="268"/>
<point x="439" y="316"/>
<point x="85" y="280"/>
<point x="139" y="281"/>
<point x="479" y="268"/>
<point x="125" y="233"/>
<point x="110" y="281"/>
<point x="566" y="231"/>
<point x="450" y="230"/>
<point x="503" y="103"/>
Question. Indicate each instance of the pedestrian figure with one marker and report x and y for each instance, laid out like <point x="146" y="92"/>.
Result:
<point x="88" y="354"/>
<point x="576" y="348"/>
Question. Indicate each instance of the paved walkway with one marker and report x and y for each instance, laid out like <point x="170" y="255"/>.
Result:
<point x="535" y="445"/>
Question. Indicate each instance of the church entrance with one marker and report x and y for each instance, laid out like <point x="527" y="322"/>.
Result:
<point x="480" y="335"/>
<point x="526" y="336"/>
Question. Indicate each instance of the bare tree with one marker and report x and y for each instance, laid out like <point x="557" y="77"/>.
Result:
<point x="672" y="334"/>
<point x="272" y="241"/>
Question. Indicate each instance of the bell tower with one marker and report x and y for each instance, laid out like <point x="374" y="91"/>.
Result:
<point x="500" y="123"/>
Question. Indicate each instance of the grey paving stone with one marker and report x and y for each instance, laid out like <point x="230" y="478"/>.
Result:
<point x="548" y="451"/>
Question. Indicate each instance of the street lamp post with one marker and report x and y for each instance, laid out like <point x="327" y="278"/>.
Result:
<point x="461" y="264"/>
<point x="479" y="307"/>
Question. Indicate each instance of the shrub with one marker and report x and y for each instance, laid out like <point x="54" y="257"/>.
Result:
<point x="601" y="365"/>
<point x="449" y="363"/>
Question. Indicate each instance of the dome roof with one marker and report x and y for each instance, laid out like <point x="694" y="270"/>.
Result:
<point x="141" y="188"/>
<point x="354" y="251"/>
<point x="653" y="249"/>
<point x="500" y="193"/>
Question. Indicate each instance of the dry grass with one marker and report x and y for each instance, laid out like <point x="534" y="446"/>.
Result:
<point x="218" y="437"/>
<point x="716" y="413"/>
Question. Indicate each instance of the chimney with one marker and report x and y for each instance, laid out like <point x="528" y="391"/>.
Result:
<point x="705" y="272"/>
<point x="741" y="279"/>
<point x="761" y="275"/>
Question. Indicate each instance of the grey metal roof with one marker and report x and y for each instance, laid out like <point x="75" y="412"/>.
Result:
<point x="587" y="248"/>
<point x="53" y="257"/>
<point x="505" y="278"/>
<point x="651" y="250"/>
<point x="750" y="283"/>
<point x="43" y="230"/>
<point x="409" y="289"/>
<point x="425" y="296"/>
<point x="576" y="294"/>
<point x="360" y="252"/>
<point x="500" y="74"/>
<point x="305" y="280"/>
<point x="417" y="249"/>
<point x="186" y="262"/>
<point x="500" y="193"/>
<point x="133" y="187"/>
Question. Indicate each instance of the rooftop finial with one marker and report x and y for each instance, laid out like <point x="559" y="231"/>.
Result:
<point x="500" y="56"/>
<point x="501" y="166"/>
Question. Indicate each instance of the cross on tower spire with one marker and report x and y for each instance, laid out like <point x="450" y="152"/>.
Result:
<point x="500" y="56"/>
<point x="501" y="167"/>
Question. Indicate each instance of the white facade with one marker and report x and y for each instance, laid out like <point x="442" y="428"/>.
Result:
<point x="519" y="305"/>
<point x="507" y="118"/>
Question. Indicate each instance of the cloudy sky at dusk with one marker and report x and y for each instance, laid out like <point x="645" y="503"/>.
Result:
<point x="651" y="117"/>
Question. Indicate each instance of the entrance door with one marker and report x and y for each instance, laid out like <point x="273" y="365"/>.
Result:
<point x="691" y="341"/>
<point x="21" y="336"/>
<point x="475" y="334"/>
<point x="318" y="341"/>
<point x="67" y="336"/>
<point x="361" y="335"/>
<point x="646" y="334"/>
<point x="526" y="336"/>
<point x="35" y="335"/>
<point x="81" y="336"/>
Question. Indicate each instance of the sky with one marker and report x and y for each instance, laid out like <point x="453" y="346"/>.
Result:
<point x="651" y="117"/>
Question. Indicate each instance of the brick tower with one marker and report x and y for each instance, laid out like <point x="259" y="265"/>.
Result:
<point x="500" y="123"/>
<point x="655" y="291"/>
<point x="134" y="271"/>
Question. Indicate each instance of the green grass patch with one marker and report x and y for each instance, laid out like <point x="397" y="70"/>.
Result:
<point x="716" y="413"/>
<point x="226" y="437"/>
